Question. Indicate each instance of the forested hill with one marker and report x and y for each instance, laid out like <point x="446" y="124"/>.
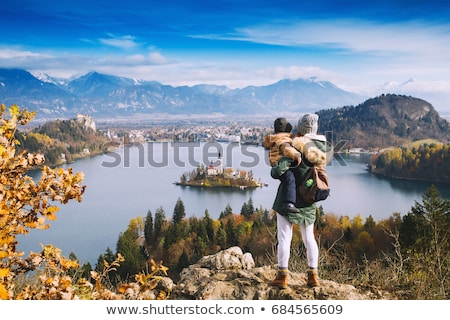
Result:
<point x="383" y="121"/>
<point x="62" y="141"/>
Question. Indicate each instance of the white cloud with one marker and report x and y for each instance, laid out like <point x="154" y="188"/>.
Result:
<point x="134" y="59"/>
<point x="157" y="58"/>
<point x="20" y="54"/>
<point x="124" y="42"/>
<point x="352" y="35"/>
<point x="295" y="72"/>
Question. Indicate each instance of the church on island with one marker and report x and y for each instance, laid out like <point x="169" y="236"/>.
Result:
<point x="215" y="169"/>
<point x="216" y="176"/>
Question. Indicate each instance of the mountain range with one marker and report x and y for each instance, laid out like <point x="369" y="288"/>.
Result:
<point x="109" y="96"/>
<point x="385" y="119"/>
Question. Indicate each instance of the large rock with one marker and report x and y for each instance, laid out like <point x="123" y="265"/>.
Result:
<point x="231" y="275"/>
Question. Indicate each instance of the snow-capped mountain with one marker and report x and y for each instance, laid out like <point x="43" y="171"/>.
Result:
<point x="105" y="96"/>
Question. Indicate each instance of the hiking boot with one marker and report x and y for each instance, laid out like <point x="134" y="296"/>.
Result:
<point x="313" y="278"/>
<point x="289" y="208"/>
<point x="281" y="281"/>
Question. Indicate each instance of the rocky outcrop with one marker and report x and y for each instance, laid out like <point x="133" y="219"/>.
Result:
<point x="231" y="275"/>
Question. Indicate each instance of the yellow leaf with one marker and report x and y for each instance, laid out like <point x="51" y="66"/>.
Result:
<point x="14" y="110"/>
<point x="3" y="292"/>
<point x="4" y="272"/>
<point x="164" y="269"/>
<point x="51" y="217"/>
<point x="122" y="289"/>
<point x="65" y="282"/>
<point x="141" y="279"/>
<point x="67" y="264"/>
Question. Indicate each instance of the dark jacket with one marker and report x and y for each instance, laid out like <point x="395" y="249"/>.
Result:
<point x="307" y="213"/>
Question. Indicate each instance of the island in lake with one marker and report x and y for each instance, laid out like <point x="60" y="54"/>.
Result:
<point x="215" y="176"/>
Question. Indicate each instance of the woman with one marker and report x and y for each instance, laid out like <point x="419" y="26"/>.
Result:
<point x="314" y="151"/>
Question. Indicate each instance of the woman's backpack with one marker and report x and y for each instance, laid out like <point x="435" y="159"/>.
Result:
<point x="315" y="185"/>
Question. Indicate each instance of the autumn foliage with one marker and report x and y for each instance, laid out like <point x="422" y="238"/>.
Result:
<point x="427" y="161"/>
<point x="26" y="204"/>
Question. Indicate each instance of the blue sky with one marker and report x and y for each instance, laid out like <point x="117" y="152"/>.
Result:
<point x="368" y="47"/>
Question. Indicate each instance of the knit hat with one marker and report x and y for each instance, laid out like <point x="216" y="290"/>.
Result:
<point x="282" y="125"/>
<point x="308" y="124"/>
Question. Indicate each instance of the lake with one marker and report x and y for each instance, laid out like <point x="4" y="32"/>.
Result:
<point x="128" y="182"/>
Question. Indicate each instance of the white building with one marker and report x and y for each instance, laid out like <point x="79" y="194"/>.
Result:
<point x="87" y="120"/>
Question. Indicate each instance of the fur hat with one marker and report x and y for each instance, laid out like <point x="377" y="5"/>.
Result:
<point x="308" y="124"/>
<point x="282" y="125"/>
<point x="310" y="150"/>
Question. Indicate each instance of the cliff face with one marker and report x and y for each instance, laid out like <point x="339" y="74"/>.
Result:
<point x="231" y="275"/>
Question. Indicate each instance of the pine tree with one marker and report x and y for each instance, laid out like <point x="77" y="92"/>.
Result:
<point x="179" y="212"/>
<point x="244" y="210"/>
<point x="426" y="222"/>
<point x="209" y="226"/>
<point x="183" y="262"/>
<point x="424" y="233"/>
<point x="148" y="228"/>
<point x="160" y="219"/>
<point x="108" y="256"/>
<point x="230" y="230"/>
<point x="227" y="212"/>
<point x="247" y="208"/>
<point x="250" y="206"/>
<point x="130" y="250"/>
<point x="221" y="237"/>
<point x="170" y="236"/>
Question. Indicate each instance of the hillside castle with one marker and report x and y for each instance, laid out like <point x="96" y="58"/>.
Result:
<point x="86" y="120"/>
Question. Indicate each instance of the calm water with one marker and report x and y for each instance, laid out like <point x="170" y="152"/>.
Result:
<point x="128" y="183"/>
